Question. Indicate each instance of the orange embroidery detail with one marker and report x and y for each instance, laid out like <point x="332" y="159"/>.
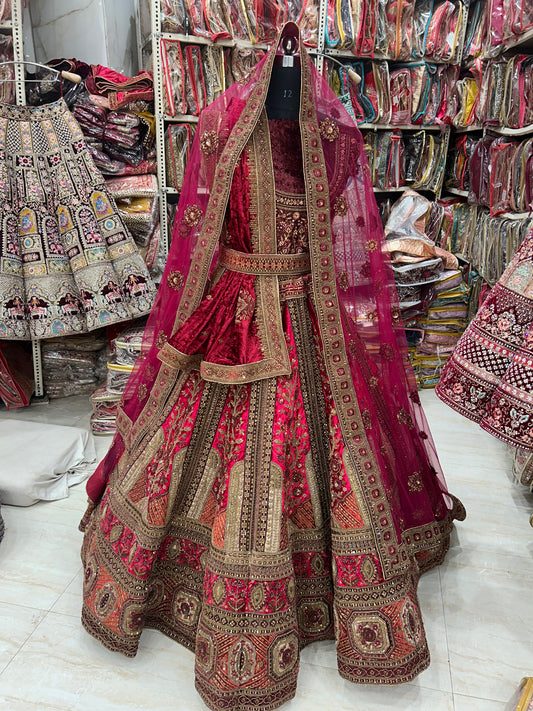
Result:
<point x="329" y="129"/>
<point x="414" y="482"/>
<point x="208" y="142"/>
<point x="161" y="339"/>
<point x="175" y="280"/>
<point x="192" y="215"/>
<point x="341" y="206"/>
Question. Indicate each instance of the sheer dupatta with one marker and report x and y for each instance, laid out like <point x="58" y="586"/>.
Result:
<point x="387" y="438"/>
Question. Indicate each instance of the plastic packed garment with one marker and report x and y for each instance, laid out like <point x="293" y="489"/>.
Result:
<point x="366" y="36"/>
<point x="495" y="12"/>
<point x="502" y="157"/>
<point x="519" y="177"/>
<point x="306" y="14"/>
<point x="394" y="28"/>
<point x="468" y="94"/>
<point x="214" y="74"/>
<point x="178" y="141"/>
<point x="195" y="92"/>
<point x="413" y="151"/>
<point x="479" y="170"/>
<point x="517" y="108"/>
<point x="492" y="92"/>
<point x="401" y="96"/>
<point x="175" y="17"/>
<point x="443" y="31"/>
<point x="237" y="20"/>
<point x="174" y="102"/>
<point x="422" y="17"/>
<point x="430" y="169"/>
<point x="475" y="26"/>
<point x="458" y="174"/>
<point x="521" y="16"/>
<point x="269" y="16"/>
<point x="217" y="21"/>
<point x="359" y="93"/>
<point x="394" y="172"/>
<point x="197" y="18"/>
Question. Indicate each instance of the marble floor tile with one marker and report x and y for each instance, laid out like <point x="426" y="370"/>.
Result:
<point x="38" y="559"/>
<point x="488" y="625"/>
<point x="16" y="625"/>
<point x="471" y="703"/>
<point x="324" y="686"/>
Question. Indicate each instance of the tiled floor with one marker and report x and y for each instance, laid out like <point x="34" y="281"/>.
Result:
<point x="477" y="606"/>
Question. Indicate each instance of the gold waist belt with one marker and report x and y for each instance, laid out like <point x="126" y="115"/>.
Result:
<point x="265" y="264"/>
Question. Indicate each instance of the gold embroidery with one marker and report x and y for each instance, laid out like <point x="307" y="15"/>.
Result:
<point x="161" y="339"/>
<point x="414" y="482"/>
<point x="208" y="142"/>
<point x="245" y="307"/>
<point x="341" y="206"/>
<point x="343" y="281"/>
<point x="175" y="280"/>
<point x="405" y="418"/>
<point x="371" y="245"/>
<point x="267" y="264"/>
<point x="329" y="129"/>
<point x="142" y="391"/>
<point x="192" y="214"/>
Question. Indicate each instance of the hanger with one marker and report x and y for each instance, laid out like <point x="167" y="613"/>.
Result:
<point x="75" y="78"/>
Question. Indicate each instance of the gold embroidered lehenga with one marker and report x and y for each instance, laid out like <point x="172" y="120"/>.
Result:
<point x="274" y="482"/>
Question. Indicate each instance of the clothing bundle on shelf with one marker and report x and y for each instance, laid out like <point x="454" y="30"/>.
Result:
<point x="178" y="143"/>
<point x="73" y="365"/>
<point x="254" y="22"/>
<point x="417" y="93"/>
<point x="401" y="158"/>
<point x="430" y="286"/>
<point x="105" y="400"/>
<point x="400" y="31"/>
<point x="497" y="25"/>
<point x="195" y="75"/>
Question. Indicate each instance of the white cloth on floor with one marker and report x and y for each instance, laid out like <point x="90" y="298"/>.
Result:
<point x="40" y="461"/>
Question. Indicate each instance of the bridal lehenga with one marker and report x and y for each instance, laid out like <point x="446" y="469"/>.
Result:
<point x="273" y="481"/>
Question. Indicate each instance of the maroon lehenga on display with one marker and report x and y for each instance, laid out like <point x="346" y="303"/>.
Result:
<point x="273" y="481"/>
<point x="489" y="376"/>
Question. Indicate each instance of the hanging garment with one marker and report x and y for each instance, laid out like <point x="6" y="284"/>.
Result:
<point x="68" y="264"/>
<point x="489" y="376"/>
<point x="273" y="481"/>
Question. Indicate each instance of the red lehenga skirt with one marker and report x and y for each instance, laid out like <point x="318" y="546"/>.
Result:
<point x="253" y="567"/>
<point x="489" y="376"/>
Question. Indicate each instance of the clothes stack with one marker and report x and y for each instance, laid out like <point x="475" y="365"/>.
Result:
<point x="443" y="325"/>
<point x="73" y="365"/>
<point x="428" y="280"/>
<point x="105" y="400"/>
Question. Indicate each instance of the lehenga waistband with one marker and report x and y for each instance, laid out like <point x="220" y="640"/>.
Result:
<point x="33" y="113"/>
<point x="265" y="264"/>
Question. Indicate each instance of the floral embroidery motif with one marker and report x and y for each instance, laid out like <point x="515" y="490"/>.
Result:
<point x="371" y="245"/>
<point x="387" y="351"/>
<point x="161" y="339"/>
<point x="373" y="382"/>
<point x="343" y="281"/>
<point x="341" y="206"/>
<point x="192" y="215"/>
<point x="329" y="129"/>
<point x="414" y="482"/>
<point x="405" y="418"/>
<point x="175" y="280"/>
<point x="208" y="142"/>
<point x="141" y="392"/>
<point x="245" y="307"/>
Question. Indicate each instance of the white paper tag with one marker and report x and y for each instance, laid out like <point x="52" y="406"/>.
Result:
<point x="288" y="60"/>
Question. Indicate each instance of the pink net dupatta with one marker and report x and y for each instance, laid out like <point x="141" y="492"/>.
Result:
<point x="364" y="344"/>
